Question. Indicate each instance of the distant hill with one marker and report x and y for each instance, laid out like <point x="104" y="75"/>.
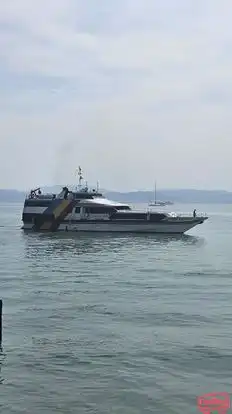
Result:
<point x="176" y="196"/>
<point x="11" y="196"/>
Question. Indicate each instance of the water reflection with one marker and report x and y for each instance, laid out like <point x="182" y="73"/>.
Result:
<point x="65" y="244"/>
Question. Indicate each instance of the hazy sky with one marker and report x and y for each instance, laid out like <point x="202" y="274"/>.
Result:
<point x="132" y="90"/>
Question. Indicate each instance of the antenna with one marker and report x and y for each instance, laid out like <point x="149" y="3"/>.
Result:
<point x="80" y="176"/>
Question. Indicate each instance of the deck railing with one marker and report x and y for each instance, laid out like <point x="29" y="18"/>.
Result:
<point x="40" y="197"/>
<point x="188" y="214"/>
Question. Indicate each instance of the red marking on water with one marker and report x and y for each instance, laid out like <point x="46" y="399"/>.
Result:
<point x="214" y="402"/>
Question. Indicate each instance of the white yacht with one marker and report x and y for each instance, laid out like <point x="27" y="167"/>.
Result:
<point x="86" y="210"/>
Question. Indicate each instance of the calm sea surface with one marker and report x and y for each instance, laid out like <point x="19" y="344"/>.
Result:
<point x="118" y="325"/>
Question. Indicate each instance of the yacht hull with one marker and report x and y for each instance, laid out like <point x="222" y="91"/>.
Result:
<point x="89" y="211"/>
<point x="173" y="227"/>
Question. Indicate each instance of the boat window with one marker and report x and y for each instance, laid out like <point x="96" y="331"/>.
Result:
<point x="30" y="217"/>
<point x="83" y="195"/>
<point x="130" y="216"/>
<point x="123" y="208"/>
<point x="36" y="202"/>
<point x="99" y="210"/>
<point x="77" y="210"/>
<point x="157" y="217"/>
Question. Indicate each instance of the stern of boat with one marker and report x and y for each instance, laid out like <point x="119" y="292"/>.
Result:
<point x="45" y="214"/>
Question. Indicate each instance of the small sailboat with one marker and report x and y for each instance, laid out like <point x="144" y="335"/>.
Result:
<point x="156" y="202"/>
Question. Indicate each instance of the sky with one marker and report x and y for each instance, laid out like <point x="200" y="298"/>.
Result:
<point x="132" y="90"/>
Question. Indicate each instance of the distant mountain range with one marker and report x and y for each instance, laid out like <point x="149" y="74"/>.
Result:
<point x="176" y="196"/>
<point x="11" y="196"/>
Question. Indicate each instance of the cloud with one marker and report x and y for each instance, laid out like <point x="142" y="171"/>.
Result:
<point x="134" y="89"/>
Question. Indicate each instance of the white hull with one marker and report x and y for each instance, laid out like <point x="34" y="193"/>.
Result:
<point x="164" y="228"/>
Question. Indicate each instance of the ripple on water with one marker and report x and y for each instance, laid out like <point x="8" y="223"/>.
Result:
<point x="99" y="324"/>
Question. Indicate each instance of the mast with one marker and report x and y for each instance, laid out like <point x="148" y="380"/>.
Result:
<point x="155" y="192"/>
<point x="80" y="176"/>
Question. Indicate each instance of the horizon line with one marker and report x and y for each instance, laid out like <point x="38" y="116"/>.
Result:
<point x="127" y="191"/>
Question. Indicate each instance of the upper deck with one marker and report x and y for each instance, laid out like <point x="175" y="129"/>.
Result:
<point x="85" y="197"/>
<point x="75" y="194"/>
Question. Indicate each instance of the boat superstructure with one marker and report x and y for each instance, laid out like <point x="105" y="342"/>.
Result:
<point x="88" y="210"/>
